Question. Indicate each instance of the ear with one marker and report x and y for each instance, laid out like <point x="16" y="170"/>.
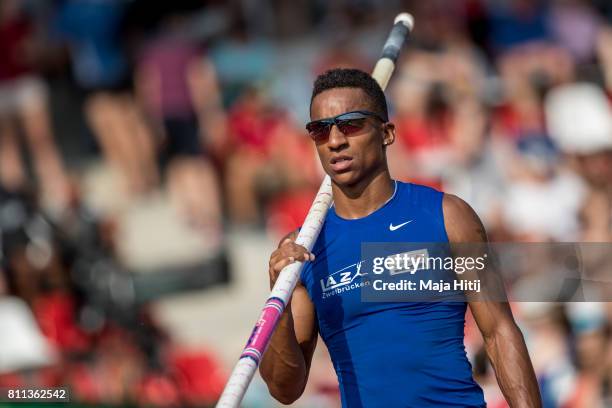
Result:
<point x="389" y="134"/>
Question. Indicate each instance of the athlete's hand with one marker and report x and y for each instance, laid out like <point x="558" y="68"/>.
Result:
<point x="287" y="253"/>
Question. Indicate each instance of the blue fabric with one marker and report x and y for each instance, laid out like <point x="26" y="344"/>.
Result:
<point x="391" y="354"/>
<point x="91" y="27"/>
<point x="510" y="27"/>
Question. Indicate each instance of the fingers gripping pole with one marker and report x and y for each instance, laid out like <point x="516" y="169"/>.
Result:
<point x="287" y="279"/>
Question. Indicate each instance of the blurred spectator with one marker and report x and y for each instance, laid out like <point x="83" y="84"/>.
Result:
<point x="447" y="22"/>
<point x="435" y="100"/>
<point x="421" y="119"/>
<point x="477" y="169"/>
<point x="23" y="109"/>
<point x="545" y="326"/>
<point x="580" y="120"/>
<point x="526" y="75"/>
<point x="542" y="201"/>
<point x="91" y="29"/>
<point x="269" y="156"/>
<point x="256" y="58"/>
<point x="339" y="54"/>
<point x="604" y="55"/>
<point x="592" y="338"/>
<point x="517" y="22"/>
<point x="575" y="25"/>
<point x="177" y="87"/>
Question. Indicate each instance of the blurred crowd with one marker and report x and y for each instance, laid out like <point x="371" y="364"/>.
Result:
<point x="507" y="104"/>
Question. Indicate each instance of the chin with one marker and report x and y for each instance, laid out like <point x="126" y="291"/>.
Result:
<point x="347" y="179"/>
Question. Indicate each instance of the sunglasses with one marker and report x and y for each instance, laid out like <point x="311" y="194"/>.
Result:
<point x="347" y="123"/>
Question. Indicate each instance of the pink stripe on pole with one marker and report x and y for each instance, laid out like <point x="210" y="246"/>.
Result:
<point x="263" y="330"/>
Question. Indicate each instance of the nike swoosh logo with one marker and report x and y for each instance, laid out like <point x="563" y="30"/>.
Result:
<point x="394" y="227"/>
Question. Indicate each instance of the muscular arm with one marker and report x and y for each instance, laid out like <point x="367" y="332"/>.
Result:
<point x="504" y="341"/>
<point x="286" y="363"/>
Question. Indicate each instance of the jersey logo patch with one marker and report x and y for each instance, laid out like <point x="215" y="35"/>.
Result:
<point x="342" y="278"/>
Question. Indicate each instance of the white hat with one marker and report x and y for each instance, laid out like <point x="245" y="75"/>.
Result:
<point x="579" y="118"/>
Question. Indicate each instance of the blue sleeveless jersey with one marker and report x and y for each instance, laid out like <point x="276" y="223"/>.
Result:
<point x="393" y="354"/>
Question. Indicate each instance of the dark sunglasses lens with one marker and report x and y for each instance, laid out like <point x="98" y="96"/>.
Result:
<point x="349" y="126"/>
<point x="318" y="130"/>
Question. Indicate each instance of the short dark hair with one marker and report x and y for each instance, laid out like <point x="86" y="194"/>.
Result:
<point x="352" y="78"/>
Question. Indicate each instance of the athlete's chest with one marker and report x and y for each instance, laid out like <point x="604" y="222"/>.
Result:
<point x="344" y="266"/>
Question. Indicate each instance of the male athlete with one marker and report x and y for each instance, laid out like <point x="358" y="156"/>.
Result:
<point x="387" y="355"/>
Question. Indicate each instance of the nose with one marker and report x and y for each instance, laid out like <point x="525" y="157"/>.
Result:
<point x="337" y="139"/>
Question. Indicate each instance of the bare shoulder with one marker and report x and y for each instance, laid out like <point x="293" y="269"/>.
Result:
<point x="461" y="221"/>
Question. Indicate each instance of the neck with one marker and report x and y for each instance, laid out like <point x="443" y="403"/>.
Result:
<point x="364" y="197"/>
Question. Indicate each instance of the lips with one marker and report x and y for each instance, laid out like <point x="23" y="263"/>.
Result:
<point x="340" y="163"/>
